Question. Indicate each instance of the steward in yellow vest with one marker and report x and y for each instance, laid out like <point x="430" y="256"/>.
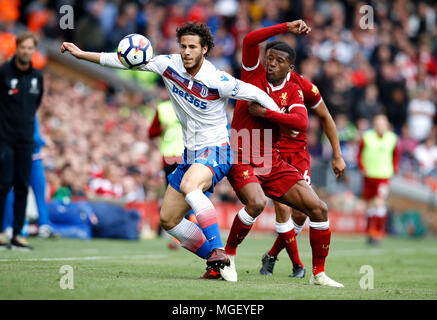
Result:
<point x="167" y="126"/>
<point x="378" y="160"/>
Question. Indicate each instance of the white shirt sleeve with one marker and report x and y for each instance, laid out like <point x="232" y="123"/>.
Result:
<point x="110" y="59"/>
<point x="157" y="64"/>
<point x="229" y="87"/>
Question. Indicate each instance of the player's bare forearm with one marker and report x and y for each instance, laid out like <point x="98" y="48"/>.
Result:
<point x="328" y="125"/>
<point x="80" y="54"/>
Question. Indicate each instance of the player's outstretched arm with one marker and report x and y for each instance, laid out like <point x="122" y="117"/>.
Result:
<point x="328" y="125"/>
<point x="248" y="92"/>
<point x="254" y="38"/>
<point x="80" y="54"/>
<point x="107" y="59"/>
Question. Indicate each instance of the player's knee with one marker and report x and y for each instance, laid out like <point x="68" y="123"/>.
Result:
<point x="167" y="222"/>
<point x="299" y="217"/>
<point x="187" y="186"/>
<point x="190" y="184"/>
<point x="255" y="205"/>
<point x="320" y="212"/>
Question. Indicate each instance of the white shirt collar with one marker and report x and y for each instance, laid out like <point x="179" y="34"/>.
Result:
<point x="287" y="78"/>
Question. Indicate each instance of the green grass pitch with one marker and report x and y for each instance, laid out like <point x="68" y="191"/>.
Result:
<point x="146" y="269"/>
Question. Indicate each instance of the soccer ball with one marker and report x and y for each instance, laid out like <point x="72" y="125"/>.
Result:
<point x="134" y="50"/>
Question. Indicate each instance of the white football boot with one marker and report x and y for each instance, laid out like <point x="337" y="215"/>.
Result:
<point x="322" y="279"/>
<point x="230" y="273"/>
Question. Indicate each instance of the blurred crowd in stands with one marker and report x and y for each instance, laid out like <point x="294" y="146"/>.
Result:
<point x="97" y="137"/>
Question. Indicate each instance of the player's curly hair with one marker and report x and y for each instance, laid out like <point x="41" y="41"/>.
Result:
<point x="282" y="46"/>
<point x="199" y="29"/>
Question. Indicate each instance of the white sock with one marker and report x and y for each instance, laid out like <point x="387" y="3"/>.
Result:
<point x="198" y="201"/>
<point x="283" y="227"/>
<point x="183" y="230"/>
<point x="297" y="228"/>
<point x="381" y="212"/>
<point x="245" y="217"/>
<point x="319" y="225"/>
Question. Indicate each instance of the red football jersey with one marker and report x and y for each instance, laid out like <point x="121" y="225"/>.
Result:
<point x="287" y="96"/>
<point x="312" y="99"/>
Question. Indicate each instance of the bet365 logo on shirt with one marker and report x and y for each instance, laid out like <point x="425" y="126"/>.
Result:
<point x="196" y="102"/>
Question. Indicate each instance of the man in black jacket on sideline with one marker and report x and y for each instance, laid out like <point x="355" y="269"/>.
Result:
<point x="21" y="90"/>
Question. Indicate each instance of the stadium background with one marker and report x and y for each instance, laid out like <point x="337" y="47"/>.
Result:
<point x="95" y="121"/>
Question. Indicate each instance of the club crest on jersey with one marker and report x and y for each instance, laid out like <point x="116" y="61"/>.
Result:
<point x="300" y="93"/>
<point x="34" y="86"/>
<point x="204" y="92"/>
<point x="284" y="99"/>
<point x="14" y="89"/>
<point x="246" y="174"/>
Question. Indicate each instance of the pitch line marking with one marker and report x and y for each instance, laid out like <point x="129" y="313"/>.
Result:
<point x="156" y="256"/>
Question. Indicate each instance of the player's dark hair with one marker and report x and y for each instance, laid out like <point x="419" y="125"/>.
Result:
<point x="282" y="46"/>
<point x="199" y="29"/>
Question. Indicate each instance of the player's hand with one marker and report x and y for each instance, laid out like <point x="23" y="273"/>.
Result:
<point x="257" y="110"/>
<point x="72" y="48"/>
<point x="298" y="27"/>
<point x="292" y="133"/>
<point x="339" y="166"/>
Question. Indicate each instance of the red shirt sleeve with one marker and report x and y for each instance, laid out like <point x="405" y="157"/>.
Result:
<point x="253" y="39"/>
<point x="297" y="118"/>
<point x="155" y="129"/>
<point x="360" y="151"/>
<point x="396" y="158"/>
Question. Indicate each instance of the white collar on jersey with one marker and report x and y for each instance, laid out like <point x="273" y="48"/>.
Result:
<point x="287" y="78"/>
<point x="199" y="73"/>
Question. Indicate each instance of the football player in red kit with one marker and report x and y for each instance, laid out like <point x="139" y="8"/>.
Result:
<point x="263" y="172"/>
<point x="294" y="150"/>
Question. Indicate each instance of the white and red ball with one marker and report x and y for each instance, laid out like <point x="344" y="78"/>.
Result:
<point x="134" y="51"/>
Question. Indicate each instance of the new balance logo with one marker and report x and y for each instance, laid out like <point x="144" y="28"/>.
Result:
<point x="289" y="240"/>
<point x="223" y="78"/>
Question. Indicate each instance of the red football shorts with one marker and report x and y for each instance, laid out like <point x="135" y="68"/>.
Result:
<point x="275" y="180"/>
<point x="373" y="187"/>
<point x="300" y="160"/>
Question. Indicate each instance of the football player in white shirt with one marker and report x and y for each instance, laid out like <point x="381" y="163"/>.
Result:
<point x="199" y="93"/>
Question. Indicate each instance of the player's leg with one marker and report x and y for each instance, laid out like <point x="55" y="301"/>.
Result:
<point x="23" y="165"/>
<point x="6" y="180"/>
<point x="374" y="209"/>
<point x="253" y="197"/>
<point x="299" y="219"/>
<point x="380" y="217"/>
<point x="286" y="238"/>
<point x="9" y="213"/>
<point x="196" y="180"/>
<point x="371" y="228"/>
<point x="173" y="209"/>
<point x="303" y="198"/>
<point x="381" y="207"/>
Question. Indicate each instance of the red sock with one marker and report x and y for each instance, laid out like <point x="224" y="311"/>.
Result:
<point x="380" y="223"/>
<point x="319" y="240"/>
<point x="289" y="240"/>
<point x="277" y="247"/>
<point x="372" y="226"/>
<point x="237" y="234"/>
